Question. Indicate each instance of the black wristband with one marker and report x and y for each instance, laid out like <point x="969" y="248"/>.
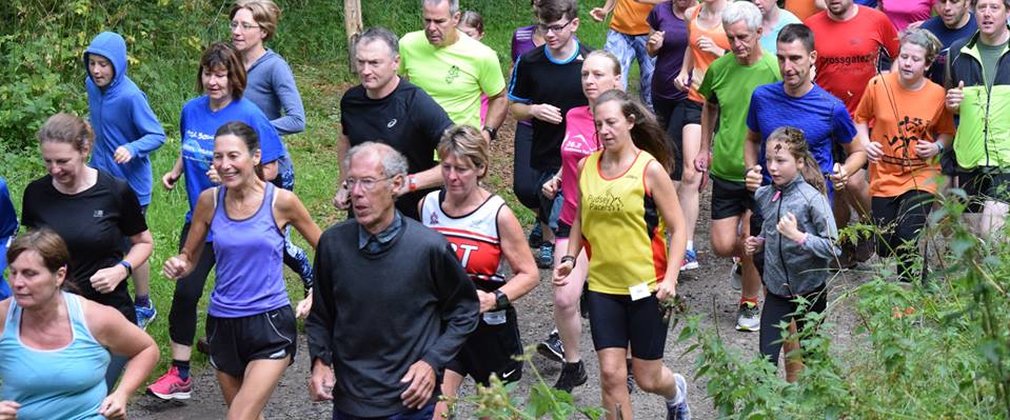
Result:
<point x="128" y="266"/>
<point x="492" y="132"/>
<point x="568" y="258"/>
<point x="501" y="300"/>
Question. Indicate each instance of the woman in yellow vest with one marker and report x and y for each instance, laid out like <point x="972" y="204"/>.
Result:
<point x="627" y="202"/>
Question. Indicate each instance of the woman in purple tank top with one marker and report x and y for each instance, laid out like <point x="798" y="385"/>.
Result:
<point x="250" y="323"/>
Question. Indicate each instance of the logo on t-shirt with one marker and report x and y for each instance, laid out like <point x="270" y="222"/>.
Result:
<point x="391" y="123"/>
<point x="605" y="202"/>
<point x="433" y="220"/>
<point x="98" y="214"/>
<point x="452" y="75"/>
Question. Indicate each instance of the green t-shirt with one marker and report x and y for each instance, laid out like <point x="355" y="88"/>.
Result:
<point x="731" y="84"/>
<point x="455" y="76"/>
<point x="990" y="57"/>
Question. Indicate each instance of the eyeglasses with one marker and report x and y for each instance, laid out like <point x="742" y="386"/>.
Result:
<point x="244" y="26"/>
<point x="545" y="28"/>
<point x="367" y="184"/>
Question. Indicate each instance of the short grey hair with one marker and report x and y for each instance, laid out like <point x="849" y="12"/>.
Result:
<point x="393" y="163"/>
<point x="742" y="10"/>
<point x="379" y="33"/>
<point x="453" y="4"/>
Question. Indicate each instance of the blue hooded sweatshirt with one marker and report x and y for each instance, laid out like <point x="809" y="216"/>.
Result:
<point x="121" y="116"/>
<point x="8" y="228"/>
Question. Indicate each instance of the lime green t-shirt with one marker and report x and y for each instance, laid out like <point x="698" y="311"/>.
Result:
<point x="455" y="76"/>
<point x="731" y="84"/>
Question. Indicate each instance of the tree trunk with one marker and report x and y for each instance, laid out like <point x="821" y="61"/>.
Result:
<point x="353" y="26"/>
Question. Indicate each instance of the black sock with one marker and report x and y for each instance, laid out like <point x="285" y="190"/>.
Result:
<point x="183" y="366"/>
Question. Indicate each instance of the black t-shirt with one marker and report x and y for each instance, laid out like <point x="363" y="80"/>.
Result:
<point x="538" y="78"/>
<point x="407" y="119"/>
<point x="93" y="224"/>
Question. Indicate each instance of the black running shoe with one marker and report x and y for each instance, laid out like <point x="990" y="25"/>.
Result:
<point x="536" y="237"/>
<point x="572" y="375"/>
<point x="552" y="348"/>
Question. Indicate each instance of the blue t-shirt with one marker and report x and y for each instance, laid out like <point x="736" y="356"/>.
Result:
<point x="822" y="117"/>
<point x="769" y="39"/>
<point x="197" y="126"/>
<point x="946" y="36"/>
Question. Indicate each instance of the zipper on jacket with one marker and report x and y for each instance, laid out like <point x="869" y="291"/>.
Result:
<point x="782" y="259"/>
<point x="985" y="118"/>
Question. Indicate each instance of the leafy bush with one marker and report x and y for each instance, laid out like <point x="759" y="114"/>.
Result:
<point x="933" y="350"/>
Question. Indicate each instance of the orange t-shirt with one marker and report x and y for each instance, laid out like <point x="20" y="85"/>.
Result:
<point x="629" y="17"/>
<point x="900" y="118"/>
<point x="802" y="8"/>
<point x="847" y="51"/>
<point x="702" y="59"/>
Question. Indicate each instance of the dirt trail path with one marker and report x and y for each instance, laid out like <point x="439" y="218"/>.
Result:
<point x="706" y="291"/>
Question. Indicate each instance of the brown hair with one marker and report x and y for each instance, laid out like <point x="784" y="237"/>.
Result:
<point x="220" y="54"/>
<point x="796" y="145"/>
<point x="265" y="13"/>
<point x="554" y="10"/>
<point x="67" y="128"/>
<point x="47" y="243"/>
<point x="646" y="132"/>
<point x="924" y="39"/>
<point x="464" y="141"/>
<point x="248" y="136"/>
<point x="472" y="19"/>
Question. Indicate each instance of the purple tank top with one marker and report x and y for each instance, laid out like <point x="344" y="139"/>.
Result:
<point x="250" y="261"/>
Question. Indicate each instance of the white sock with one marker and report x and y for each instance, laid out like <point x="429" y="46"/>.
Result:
<point x="681" y="384"/>
<point x="690" y="245"/>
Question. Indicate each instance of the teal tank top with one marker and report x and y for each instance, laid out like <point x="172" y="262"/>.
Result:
<point x="66" y="383"/>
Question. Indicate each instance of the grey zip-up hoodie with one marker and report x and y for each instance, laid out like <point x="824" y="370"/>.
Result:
<point x="792" y="269"/>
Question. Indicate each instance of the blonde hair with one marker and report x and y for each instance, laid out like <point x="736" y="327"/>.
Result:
<point x="615" y="63"/>
<point x="265" y="13"/>
<point x="464" y="141"/>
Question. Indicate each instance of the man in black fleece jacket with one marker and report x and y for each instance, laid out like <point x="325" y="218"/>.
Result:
<point x="391" y="304"/>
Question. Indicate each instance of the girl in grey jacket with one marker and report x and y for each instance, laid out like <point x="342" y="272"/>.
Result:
<point x="799" y="240"/>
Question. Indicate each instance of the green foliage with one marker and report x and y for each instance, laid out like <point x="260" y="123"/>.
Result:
<point x="499" y="401"/>
<point x="933" y="350"/>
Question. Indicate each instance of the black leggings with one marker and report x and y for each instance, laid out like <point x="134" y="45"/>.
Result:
<point x="900" y="220"/>
<point x="188" y="290"/>
<point x="778" y="309"/>
<point x="673" y="115"/>
<point x="524" y="177"/>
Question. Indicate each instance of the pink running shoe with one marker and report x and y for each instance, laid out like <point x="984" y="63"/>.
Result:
<point x="171" y="386"/>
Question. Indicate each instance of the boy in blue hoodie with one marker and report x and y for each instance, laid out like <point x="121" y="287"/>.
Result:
<point x="126" y="133"/>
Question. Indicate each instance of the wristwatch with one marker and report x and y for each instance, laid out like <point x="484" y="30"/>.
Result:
<point x="492" y="132"/>
<point x="411" y="183"/>
<point x="501" y="300"/>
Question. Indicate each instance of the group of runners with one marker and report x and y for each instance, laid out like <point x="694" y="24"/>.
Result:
<point x="799" y="120"/>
